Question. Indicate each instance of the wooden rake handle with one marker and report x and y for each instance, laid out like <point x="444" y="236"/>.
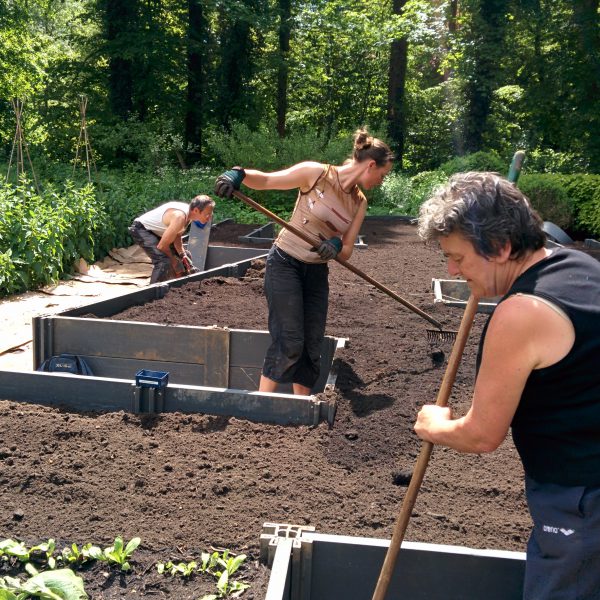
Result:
<point x="424" y="455"/>
<point x="346" y="264"/>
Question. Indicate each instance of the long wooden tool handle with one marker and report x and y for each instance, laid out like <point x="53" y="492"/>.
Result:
<point x="423" y="459"/>
<point x="301" y="234"/>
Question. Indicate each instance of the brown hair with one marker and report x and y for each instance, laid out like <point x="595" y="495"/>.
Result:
<point x="366" y="147"/>
<point x="201" y="202"/>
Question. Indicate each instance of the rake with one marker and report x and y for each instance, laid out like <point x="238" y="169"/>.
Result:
<point x="433" y="335"/>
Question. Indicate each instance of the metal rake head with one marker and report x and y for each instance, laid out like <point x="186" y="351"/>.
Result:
<point x="441" y="335"/>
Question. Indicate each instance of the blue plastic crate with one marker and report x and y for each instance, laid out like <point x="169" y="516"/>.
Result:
<point x="151" y="379"/>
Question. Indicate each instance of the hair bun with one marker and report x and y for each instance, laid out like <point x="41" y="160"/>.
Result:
<point x="362" y="139"/>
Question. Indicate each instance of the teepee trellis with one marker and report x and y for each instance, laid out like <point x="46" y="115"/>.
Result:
<point x="20" y="149"/>
<point x="84" y="141"/>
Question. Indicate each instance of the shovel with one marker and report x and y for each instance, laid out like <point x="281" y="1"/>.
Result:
<point x="424" y="455"/>
<point x="437" y="334"/>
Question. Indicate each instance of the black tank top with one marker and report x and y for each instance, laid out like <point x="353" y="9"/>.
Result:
<point x="556" y="428"/>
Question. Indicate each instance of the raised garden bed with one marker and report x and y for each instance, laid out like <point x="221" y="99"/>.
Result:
<point x="184" y="483"/>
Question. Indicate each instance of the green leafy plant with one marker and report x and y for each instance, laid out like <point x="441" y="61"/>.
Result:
<point x="181" y="568"/>
<point x="42" y="553"/>
<point x="223" y="566"/>
<point x="59" y="584"/>
<point x="119" y="553"/>
<point x="73" y="555"/>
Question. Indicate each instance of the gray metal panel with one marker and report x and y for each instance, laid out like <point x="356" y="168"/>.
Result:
<point x="126" y="339"/>
<point x="216" y="357"/>
<point x="124" y="368"/>
<point x="265" y="408"/>
<point x="57" y="389"/>
<point x="244" y="378"/>
<point x="112" y="306"/>
<point x="198" y="244"/>
<point x="248" y="347"/>
<point x="85" y="393"/>
<point x="222" y="255"/>
<point x="438" y="573"/>
<point x="456" y="292"/>
<point x="281" y="571"/>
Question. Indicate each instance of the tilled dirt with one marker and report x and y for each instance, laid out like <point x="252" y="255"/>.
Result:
<point x="185" y="483"/>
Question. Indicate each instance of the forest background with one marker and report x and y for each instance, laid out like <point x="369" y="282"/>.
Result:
<point x="110" y="107"/>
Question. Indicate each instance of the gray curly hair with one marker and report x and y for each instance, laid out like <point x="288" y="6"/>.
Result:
<point x="487" y="210"/>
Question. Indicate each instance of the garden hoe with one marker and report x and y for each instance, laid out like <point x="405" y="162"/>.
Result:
<point x="437" y="334"/>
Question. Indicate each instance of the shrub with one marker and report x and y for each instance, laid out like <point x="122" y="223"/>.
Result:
<point x="403" y="195"/>
<point x="264" y="150"/>
<point x="43" y="234"/>
<point x="549" y="197"/>
<point x="548" y="161"/>
<point x="392" y="197"/>
<point x="478" y="161"/>
<point x="583" y="192"/>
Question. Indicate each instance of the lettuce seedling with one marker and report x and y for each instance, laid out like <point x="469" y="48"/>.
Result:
<point x="119" y="554"/>
<point x="75" y="555"/>
<point x="181" y="568"/>
<point x="14" y="549"/>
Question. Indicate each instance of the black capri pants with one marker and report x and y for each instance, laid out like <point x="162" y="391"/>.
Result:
<point x="297" y="295"/>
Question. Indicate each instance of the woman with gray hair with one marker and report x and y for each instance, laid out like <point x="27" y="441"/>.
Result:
<point x="537" y="371"/>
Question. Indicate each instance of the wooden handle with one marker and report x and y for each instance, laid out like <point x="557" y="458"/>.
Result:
<point x="424" y="455"/>
<point x="301" y="234"/>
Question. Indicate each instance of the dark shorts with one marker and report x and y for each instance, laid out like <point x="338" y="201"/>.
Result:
<point x="297" y="294"/>
<point x="148" y="241"/>
<point x="563" y="553"/>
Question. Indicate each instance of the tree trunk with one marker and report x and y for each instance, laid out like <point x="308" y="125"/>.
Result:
<point x="236" y="67"/>
<point x="285" y="13"/>
<point x="396" y="111"/>
<point x="120" y="18"/>
<point x="587" y="25"/>
<point x="195" y="79"/>
<point x="487" y="34"/>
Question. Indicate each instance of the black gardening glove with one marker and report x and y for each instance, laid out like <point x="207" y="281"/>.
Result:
<point x="229" y="181"/>
<point x="330" y="248"/>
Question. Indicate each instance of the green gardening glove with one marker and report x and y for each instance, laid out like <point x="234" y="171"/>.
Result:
<point x="329" y="249"/>
<point x="229" y="181"/>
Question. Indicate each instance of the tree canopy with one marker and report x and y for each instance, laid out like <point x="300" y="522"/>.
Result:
<point x="435" y="78"/>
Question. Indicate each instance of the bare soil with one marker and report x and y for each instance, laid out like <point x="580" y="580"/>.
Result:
<point x="186" y="484"/>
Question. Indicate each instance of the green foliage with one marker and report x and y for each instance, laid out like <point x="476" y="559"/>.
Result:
<point x="583" y="192"/>
<point x="45" y="233"/>
<point x="549" y="197"/>
<point x="185" y="569"/>
<point x="264" y="150"/>
<point x="75" y="555"/>
<point x="222" y="566"/>
<point x="61" y="584"/>
<point x="506" y="122"/>
<point x="403" y="195"/>
<point x="549" y="161"/>
<point x="477" y="161"/>
<point x="433" y="127"/>
<point x="119" y="553"/>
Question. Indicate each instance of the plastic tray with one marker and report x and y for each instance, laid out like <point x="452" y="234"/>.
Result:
<point x="151" y="379"/>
